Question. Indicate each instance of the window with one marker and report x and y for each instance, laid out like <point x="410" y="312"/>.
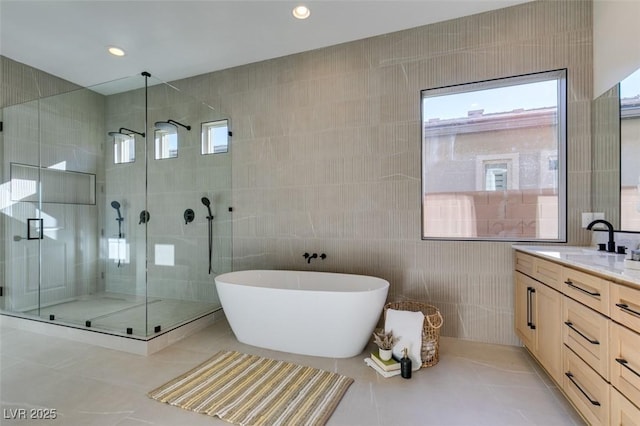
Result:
<point x="215" y="137"/>
<point x="493" y="159"/>
<point x="166" y="144"/>
<point x="124" y="148"/>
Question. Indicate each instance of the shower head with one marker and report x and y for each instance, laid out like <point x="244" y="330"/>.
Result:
<point x="207" y="204"/>
<point x="170" y="125"/>
<point x="116" y="205"/>
<point x="126" y="132"/>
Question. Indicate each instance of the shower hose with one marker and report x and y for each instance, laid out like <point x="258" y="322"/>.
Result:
<point x="210" y="242"/>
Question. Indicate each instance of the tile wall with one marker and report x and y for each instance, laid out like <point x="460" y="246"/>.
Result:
<point x="326" y="154"/>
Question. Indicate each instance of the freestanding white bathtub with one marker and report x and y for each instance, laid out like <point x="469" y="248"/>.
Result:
<point x="309" y="313"/>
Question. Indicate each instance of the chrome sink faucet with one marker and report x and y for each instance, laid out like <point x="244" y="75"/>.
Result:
<point x="611" y="244"/>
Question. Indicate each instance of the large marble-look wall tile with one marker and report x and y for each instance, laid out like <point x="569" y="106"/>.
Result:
<point x="326" y="154"/>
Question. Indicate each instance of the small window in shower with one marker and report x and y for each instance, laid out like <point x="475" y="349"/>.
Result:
<point x="166" y="144"/>
<point x="124" y="148"/>
<point x="215" y="137"/>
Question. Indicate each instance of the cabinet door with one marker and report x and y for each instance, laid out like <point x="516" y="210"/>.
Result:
<point x="547" y="308"/>
<point x="523" y="306"/>
<point x="524" y="263"/>
<point x="625" y="361"/>
<point x="586" y="332"/>
<point x="549" y="273"/>
<point x="588" y="392"/>
<point x="587" y="289"/>
<point x="625" y="306"/>
<point x="622" y="411"/>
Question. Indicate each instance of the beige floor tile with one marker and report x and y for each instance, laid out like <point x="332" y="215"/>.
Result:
<point x="473" y="384"/>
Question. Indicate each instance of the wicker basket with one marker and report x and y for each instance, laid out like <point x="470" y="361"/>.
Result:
<point x="430" y="330"/>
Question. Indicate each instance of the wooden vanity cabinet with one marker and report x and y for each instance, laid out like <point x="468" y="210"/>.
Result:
<point x="538" y="313"/>
<point x="624" y="355"/>
<point x="585" y="331"/>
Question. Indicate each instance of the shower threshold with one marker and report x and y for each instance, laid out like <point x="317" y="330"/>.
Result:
<point x="117" y="321"/>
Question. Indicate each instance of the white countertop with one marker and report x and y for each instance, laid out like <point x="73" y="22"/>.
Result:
<point x="609" y="265"/>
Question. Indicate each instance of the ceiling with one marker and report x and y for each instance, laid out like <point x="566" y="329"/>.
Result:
<point x="182" y="38"/>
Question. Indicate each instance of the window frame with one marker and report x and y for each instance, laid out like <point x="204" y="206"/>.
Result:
<point x="206" y="140"/>
<point x="163" y="141"/>
<point x="561" y="76"/>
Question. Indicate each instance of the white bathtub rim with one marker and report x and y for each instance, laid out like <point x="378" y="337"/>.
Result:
<point x="376" y="283"/>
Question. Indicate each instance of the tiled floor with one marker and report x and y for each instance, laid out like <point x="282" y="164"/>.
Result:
<point x="473" y="384"/>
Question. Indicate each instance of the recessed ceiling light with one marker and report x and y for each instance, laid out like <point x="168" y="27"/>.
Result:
<point x="116" y="51"/>
<point x="301" y="12"/>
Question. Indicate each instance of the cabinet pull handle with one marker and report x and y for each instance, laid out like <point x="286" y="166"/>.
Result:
<point x="627" y="309"/>
<point x="592" y="401"/>
<point x="529" y="307"/>
<point x="530" y="291"/>
<point x="623" y="362"/>
<point x="584" y="336"/>
<point x="590" y="293"/>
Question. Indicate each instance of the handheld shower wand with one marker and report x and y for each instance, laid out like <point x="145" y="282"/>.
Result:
<point x="119" y="219"/>
<point x="116" y="205"/>
<point x="207" y="204"/>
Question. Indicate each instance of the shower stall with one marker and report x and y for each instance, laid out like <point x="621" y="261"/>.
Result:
<point x="101" y="208"/>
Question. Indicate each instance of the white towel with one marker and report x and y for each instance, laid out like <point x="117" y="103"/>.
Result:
<point x="407" y="327"/>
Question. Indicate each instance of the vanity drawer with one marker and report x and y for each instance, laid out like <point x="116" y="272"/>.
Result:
<point x="586" y="289"/>
<point x="549" y="273"/>
<point x="625" y="306"/>
<point x="625" y="361"/>
<point x="588" y="392"/>
<point x="623" y="412"/>
<point x="587" y="333"/>
<point x="524" y="263"/>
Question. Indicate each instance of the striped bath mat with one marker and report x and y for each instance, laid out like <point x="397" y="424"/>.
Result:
<point x="251" y="390"/>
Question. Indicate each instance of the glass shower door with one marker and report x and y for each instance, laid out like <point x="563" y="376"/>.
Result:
<point x="19" y="205"/>
<point x="188" y="208"/>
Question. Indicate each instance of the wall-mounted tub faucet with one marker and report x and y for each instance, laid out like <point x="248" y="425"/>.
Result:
<point x="611" y="245"/>
<point x="313" y="256"/>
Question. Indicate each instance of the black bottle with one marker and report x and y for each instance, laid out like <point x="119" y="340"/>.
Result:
<point x="405" y="365"/>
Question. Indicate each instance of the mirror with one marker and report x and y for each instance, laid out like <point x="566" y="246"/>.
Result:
<point x="616" y="154"/>
<point x="630" y="152"/>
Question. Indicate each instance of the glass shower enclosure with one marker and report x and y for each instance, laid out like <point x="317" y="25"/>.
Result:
<point x="115" y="207"/>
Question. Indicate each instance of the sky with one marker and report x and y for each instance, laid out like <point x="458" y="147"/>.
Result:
<point x="630" y="86"/>
<point x="501" y="99"/>
<point x="505" y="99"/>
